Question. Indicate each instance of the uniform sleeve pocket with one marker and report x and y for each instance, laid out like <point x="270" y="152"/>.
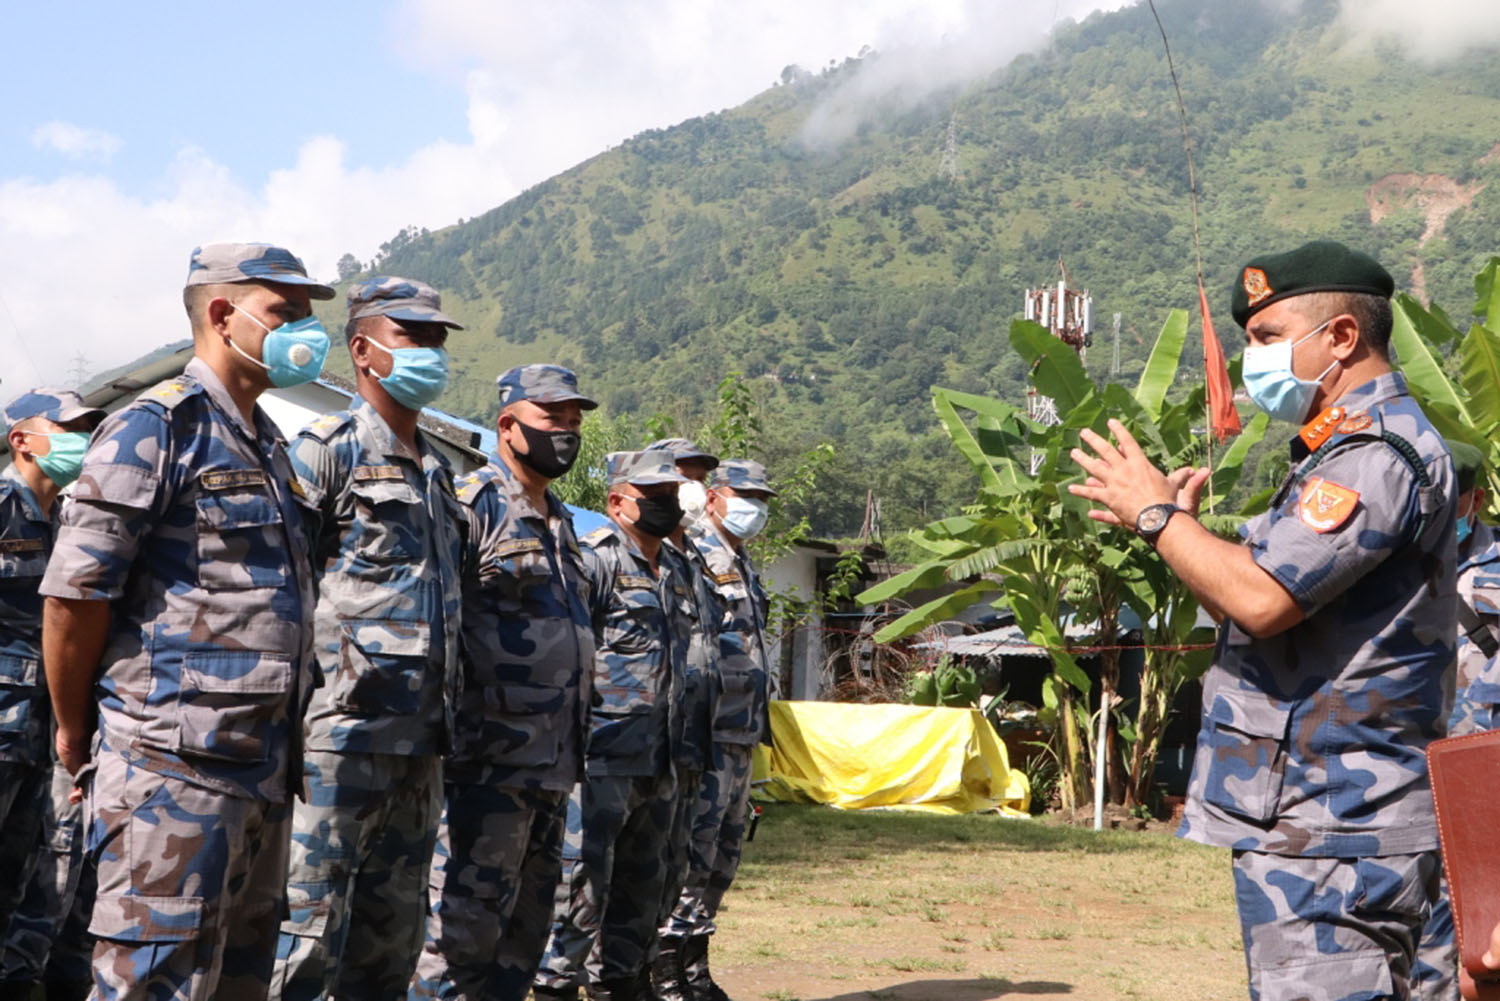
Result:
<point x="18" y="677"/>
<point x="382" y="664"/>
<point x="230" y="700"/>
<point x="1247" y="763"/>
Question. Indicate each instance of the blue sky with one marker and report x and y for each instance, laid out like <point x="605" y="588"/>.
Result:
<point x="133" y="132"/>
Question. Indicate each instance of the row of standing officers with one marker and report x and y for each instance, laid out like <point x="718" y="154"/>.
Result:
<point x="342" y="725"/>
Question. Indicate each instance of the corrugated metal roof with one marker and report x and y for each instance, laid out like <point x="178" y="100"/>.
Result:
<point x="1006" y="641"/>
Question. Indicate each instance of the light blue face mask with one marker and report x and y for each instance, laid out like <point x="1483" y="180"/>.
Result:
<point x="1465" y="527"/>
<point x="64" y="459"/>
<point x="1268" y="377"/>
<point x="744" y="517"/>
<point x="292" y="353"/>
<point x="418" y="375"/>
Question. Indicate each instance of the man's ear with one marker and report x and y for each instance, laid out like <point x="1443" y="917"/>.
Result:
<point x="16" y="439"/>
<point x="217" y="311"/>
<point x="1345" y="332"/>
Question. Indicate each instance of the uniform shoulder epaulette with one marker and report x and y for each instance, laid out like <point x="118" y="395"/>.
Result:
<point x="598" y="536"/>
<point x="324" y="427"/>
<point x="170" y="393"/>
<point x="471" y="484"/>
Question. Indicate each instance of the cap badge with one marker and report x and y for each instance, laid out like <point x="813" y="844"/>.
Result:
<point x="1256" y="286"/>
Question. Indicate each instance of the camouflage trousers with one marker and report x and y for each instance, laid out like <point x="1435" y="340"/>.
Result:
<point x="614" y="868"/>
<point x="718" y="839"/>
<point x="680" y="848"/>
<point x="357" y="888"/>
<point x="1327" y="929"/>
<point x="23" y="807"/>
<point x="48" y="935"/>
<point x="1434" y="977"/>
<point x="494" y="874"/>
<point x="192" y="884"/>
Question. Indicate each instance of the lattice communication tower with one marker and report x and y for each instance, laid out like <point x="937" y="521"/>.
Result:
<point x="1068" y="315"/>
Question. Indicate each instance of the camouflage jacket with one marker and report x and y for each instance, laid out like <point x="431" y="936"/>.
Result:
<point x="183" y="519"/>
<point x="741" y="715"/>
<point x="1476" y="702"/>
<point x="527" y="643"/>
<point x="695" y="699"/>
<point x="1312" y="740"/>
<point x="636" y="614"/>
<point x="387" y="552"/>
<point x="25" y="541"/>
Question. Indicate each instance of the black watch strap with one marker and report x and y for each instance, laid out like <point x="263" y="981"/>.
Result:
<point x="1152" y="521"/>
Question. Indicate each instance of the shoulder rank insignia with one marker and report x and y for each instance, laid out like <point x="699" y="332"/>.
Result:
<point x="229" y="479"/>
<point x="1318" y="430"/>
<point x="597" y="536"/>
<point x="325" y="425"/>
<point x="1355" y="422"/>
<point x="1324" y="505"/>
<point x="636" y="581"/>
<point x="366" y="474"/>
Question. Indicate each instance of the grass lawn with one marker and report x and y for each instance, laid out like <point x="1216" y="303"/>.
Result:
<point x="835" y="906"/>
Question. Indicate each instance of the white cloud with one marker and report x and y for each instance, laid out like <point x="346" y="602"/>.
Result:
<point x="76" y="141"/>
<point x="1433" y="30"/>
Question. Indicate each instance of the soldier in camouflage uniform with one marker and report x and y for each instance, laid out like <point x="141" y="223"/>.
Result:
<point x="1336" y="629"/>
<point x="384" y="526"/>
<point x="48" y="432"/>
<point x="180" y="599"/>
<point x="527" y="650"/>
<point x="694" y="705"/>
<point x="614" y="852"/>
<point x="736" y="512"/>
<point x="1477" y="698"/>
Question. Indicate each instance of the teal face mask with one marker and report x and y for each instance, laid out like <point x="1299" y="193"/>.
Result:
<point x="292" y="353"/>
<point x="1267" y="374"/>
<point x="418" y="375"/>
<point x="64" y="459"/>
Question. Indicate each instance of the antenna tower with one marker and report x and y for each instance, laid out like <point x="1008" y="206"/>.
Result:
<point x="1068" y="315"/>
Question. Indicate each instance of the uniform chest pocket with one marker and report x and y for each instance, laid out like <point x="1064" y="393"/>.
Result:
<point x="388" y="522"/>
<point x="383" y="665"/>
<point x="635" y="623"/>
<point x="231" y="701"/>
<point x="241" y="542"/>
<point x="18" y="690"/>
<point x="520" y="580"/>
<point x="1248" y="751"/>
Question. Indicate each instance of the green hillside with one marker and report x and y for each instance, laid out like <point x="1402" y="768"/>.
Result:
<point x="846" y="282"/>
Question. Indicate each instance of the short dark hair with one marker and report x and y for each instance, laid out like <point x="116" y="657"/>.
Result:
<point x="1371" y="312"/>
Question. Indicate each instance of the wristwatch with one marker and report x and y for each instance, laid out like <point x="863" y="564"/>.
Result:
<point x="1150" y="522"/>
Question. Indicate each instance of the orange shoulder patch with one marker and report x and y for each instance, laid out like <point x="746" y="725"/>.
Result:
<point x="1324" y="505"/>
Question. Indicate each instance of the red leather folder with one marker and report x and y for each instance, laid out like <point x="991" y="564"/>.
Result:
<point x="1465" y="774"/>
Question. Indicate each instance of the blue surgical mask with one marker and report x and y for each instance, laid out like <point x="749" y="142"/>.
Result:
<point x="418" y="375"/>
<point x="292" y="353"/>
<point x="1464" y="527"/>
<point x="1268" y="377"/>
<point x="64" y="459"/>
<point x="744" y="518"/>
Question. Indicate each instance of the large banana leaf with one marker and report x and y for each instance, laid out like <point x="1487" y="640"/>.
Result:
<point x="1487" y="294"/>
<point x="929" y="574"/>
<point x="937" y="610"/>
<point x="967" y="445"/>
<point x="1480" y="374"/>
<point x="1227" y="469"/>
<point x="1056" y="369"/>
<point x="1161" y="367"/>
<point x="1412" y="335"/>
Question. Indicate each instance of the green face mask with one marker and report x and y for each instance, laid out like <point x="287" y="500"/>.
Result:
<point x="64" y="459"/>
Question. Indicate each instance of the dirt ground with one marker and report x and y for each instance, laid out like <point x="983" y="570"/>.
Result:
<point x="835" y="906"/>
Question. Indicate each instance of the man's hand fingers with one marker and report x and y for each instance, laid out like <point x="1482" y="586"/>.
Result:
<point x="1105" y="515"/>
<point x="1096" y="468"/>
<point x="1128" y="448"/>
<point x="1106" y="451"/>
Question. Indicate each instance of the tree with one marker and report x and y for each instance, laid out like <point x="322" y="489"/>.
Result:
<point x="348" y="266"/>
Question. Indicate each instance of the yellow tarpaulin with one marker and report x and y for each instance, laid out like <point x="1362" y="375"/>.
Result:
<point x="856" y="757"/>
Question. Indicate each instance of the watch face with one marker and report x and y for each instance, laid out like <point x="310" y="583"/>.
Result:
<point x="1152" y="519"/>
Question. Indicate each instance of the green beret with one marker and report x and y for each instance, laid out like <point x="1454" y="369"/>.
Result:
<point x="1320" y="266"/>
<point x="1468" y="462"/>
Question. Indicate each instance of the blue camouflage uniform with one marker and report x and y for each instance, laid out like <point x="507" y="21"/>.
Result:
<point x="619" y="817"/>
<point x="387" y="553"/>
<point x="183" y="520"/>
<point x="1309" y="763"/>
<point x="1476" y="704"/>
<point x="40" y="845"/>
<point x="740" y="715"/>
<point x="527" y="650"/>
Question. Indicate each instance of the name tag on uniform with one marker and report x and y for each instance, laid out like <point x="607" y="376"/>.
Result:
<point x="230" y="479"/>
<point x="510" y="547"/>
<point x="728" y="578"/>
<point x="21" y="545"/>
<point x="365" y="474"/>
<point x="635" y="580"/>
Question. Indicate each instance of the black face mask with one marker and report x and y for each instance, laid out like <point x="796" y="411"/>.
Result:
<point x="551" y="453"/>
<point x="658" y="515"/>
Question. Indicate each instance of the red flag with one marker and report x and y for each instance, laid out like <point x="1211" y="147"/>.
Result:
<point x="1222" y="417"/>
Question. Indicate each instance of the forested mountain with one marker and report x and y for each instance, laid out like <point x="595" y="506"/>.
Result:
<point x="847" y="278"/>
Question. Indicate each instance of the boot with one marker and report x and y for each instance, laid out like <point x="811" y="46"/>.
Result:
<point x="668" y="978"/>
<point x="620" y="989"/>
<point x="695" y="969"/>
<point x="67" y="990"/>
<point x="568" y="993"/>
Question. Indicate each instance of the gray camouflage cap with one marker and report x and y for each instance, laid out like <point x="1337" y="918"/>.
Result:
<point x="58" y="405"/>
<point x="684" y="450"/>
<point x="642" y="469"/>
<point x="400" y="299"/>
<point x="742" y="474"/>
<point x="228" y="263"/>
<point x="541" y="384"/>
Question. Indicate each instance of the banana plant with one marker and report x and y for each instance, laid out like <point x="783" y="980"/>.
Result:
<point x="1025" y="543"/>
